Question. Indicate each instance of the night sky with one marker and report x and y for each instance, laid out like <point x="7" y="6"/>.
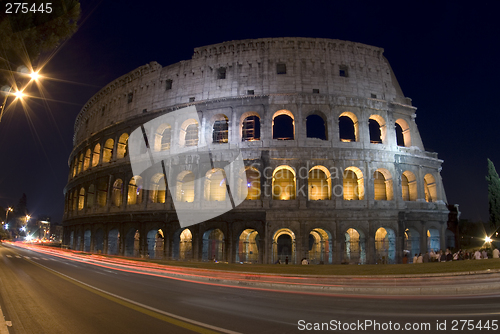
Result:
<point x="444" y="56"/>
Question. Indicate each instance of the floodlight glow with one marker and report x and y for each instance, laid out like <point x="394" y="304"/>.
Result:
<point x="487" y="240"/>
<point x="34" y="76"/>
<point x="19" y="94"/>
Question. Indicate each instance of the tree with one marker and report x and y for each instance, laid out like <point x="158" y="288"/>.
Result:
<point x="25" y="35"/>
<point x="493" y="195"/>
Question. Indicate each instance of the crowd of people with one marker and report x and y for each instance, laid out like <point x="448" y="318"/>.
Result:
<point x="447" y="256"/>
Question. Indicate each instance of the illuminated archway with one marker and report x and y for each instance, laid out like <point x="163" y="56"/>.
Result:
<point x="99" y="241"/>
<point x="163" y="137"/>
<point x="385" y="246"/>
<point x="430" y="188"/>
<point x="355" y="248"/>
<point x="215" y="185"/>
<point x="283" y="125"/>
<point x="87" y="237"/>
<point x="122" y="146"/>
<point x="134" y="191"/>
<point x="383" y="186"/>
<point x="409" y="186"/>
<point x="155" y="244"/>
<point x="189" y="133"/>
<point x="90" y="196"/>
<point x="319" y="184"/>
<point x="377" y="128"/>
<point x="183" y="245"/>
<point x="412" y="242"/>
<point x="81" y="199"/>
<point x="96" y="154"/>
<point x="107" y="153"/>
<point x="348" y="127"/>
<point x="320" y="246"/>
<point x="157" y="190"/>
<point x="433" y="240"/>
<point x="284" y="246"/>
<point x="185" y="186"/>
<point x="283" y="183"/>
<point x="403" y="135"/>
<point x="247" y="249"/>
<point x="86" y="161"/>
<point x="117" y="193"/>
<point x="249" y="184"/>
<point x="132" y="243"/>
<point x="220" y="129"/>
<point x="113" y="242"/>
<point x="250" y="126"/>
<point x="353" y="184"/>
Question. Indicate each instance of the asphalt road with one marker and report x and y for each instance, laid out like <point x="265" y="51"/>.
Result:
<point x="42" y="293"/>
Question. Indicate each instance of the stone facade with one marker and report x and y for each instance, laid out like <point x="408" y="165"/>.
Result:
<point x="330" y="113"/>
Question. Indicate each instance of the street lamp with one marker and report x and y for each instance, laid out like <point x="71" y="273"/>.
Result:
<point x="19" y="93"/>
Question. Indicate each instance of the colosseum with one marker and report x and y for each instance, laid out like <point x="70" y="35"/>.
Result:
<point x="334" y="169"/>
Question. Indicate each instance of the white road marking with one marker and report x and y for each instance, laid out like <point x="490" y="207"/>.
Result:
<point x="8" y="256"/>
<point x="18" y="257"/>
<point x="27" y="257"/>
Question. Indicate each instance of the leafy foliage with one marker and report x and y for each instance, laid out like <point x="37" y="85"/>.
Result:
<point x="25" y="35"/>
<point x="493" y="194"/>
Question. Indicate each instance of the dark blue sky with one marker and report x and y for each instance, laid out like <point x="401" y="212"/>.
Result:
<point x="444" y="56"/>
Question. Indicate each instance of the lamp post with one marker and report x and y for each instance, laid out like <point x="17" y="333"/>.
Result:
<point x="9" y="209"/>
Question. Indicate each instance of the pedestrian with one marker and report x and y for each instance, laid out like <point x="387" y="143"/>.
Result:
<point x="443" y="257"/>
<point x="415" y="258"/>
<point x="420" y="258"/>
<point x="405" y="259"/>
<point x="304" y="261"/>
<point x="484" y="255"/>
<point x="426" y="257"/>
<point x="496" y="253"/>
<point x="477" y="255"/>
<point x="432" y="255"/>
<point x="449" y="257"/>
<point x="286" y="260"/>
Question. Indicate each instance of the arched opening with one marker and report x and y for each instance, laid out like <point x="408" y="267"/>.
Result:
<point x="87" y="237"/>
<point x="99" y="241"/>
<point x="316" y="127"/>
<point x="113" y="242"/>
<point x="375" y="133"/>
<point x="430" y="188"/>
<point x="320" y="246"/>
<point x="385" y="246"/>
<point x="157" y="189"/>
<point x="81" y="199"/>
<point x="189" y="133"/>
<point x="183" y="245"/>
<point x="220" y="131"/>
<point x="250" y="128"/>
<point x="213" y="245"/>
<point x="319" y="184"/>
<point x="403" y="134"/>
<point x="107" y="153"/>
<point x="96" y="154"/>
<point x="71" y="240"/>
<point x="383" y="187"/>
<point x="185" y="187"/>
<point x="355" y="251"/>
<point x="155" y="244"/>
<point x="433" y="240"/>
<point x="75" y="200"/>
<point x="409" y="186"/>
<point x="78" y="240"/>
<point x="412" y="243"/>
<point x="122" y="148"/>
<point x="80" y="163"/>
<point x="134" y="191"/>
<point x="75" y="166"/>
<point x="102" y="191"/>
<point x="353" y="184"/>
<point x="86" y="161"/>
<point x="132" y="243"/>
<point x="250" y="184"/>
<point x="247" y="249"/>
<point x="283" y="125"/>
<point x="450" y="239"/>
<point x="117" y="193"/>
<point x="283" y="183"/>
<point x="215" y="185"/>
<point x="163" y="137"/>
<point x="348" y="127"/>
<point x="90" y="196"/>
<point x="284" y="246"/>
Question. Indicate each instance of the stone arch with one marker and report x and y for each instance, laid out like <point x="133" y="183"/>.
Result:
<point x="86" y="161"/>
<point x="213" y="245"/>
<point x="249" y="184"/>
<point x="215" y="185"/>
<point x="81" y="199"/>
<point x="80" y="163"/>
<point x="134" y="193"/>
<point x="183" y="244"/>
<point x="317" y="126"/>
<point x="90" y="196"/>
<point x="377" y="128"/>
<point x="403" y="134"/>
<point x="189" y="133"/>
<point x="385" y="246"/>
<point x="383" y="185"/>
<point x="96" y="154"/>
<point x="247" y="248"/>
<point x="319" y="184"/>
<point x="412" y="242"/>
<point x="450" y="239"/>
<point x="157" y="189"/>
<point x="122" y="146"/>
<point x="284" y="246"/>
<point x="355" y="247"/>
<point x="320" y="246"/>
<point x="107" y="153"/>
<point x="163" y="137"/>
<point x="132" y="243"/>
<point x="433" y="239"/>
<point x="430" y="188"/>
<point x="283" y="125"/>
<point x="353" y="184"/>
<point x="185" y="186"/>
<point x="99" y="241"/>
<point x="102" y="191"/>
<point x="220" y="129"/>
<point x="409" y="186"/>
<point x="113" y="242"/>
<point x="87" y="238"/>
<point x="284" y="183"/>
<point x="155" y="243"/>
<point x="75" y="200"/>
<point x="348" y="127"/>
<point x="117" y="194"/>
<point x="71" y="240"/>
<point x="250" y="126"/>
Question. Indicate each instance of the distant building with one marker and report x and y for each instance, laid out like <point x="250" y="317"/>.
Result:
<point x="336" y="171"/>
